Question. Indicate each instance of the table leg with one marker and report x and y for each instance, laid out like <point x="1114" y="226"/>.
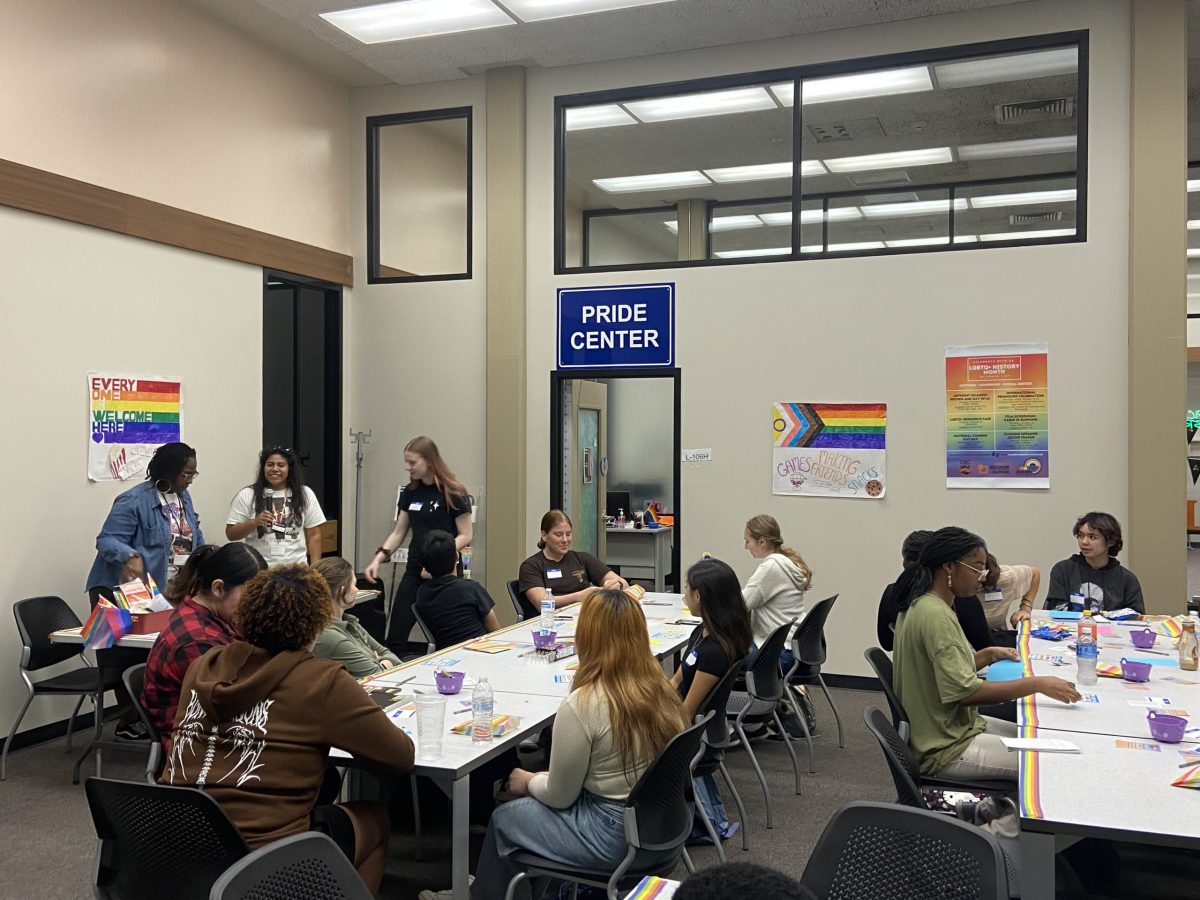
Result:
<point x="460" y="833"/>
<point x="662" y="562"/>
<point x="1037" y="865"/>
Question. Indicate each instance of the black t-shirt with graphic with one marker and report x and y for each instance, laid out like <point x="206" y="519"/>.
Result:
<point x="427" y="511"/>
<point x="575" y="571"/>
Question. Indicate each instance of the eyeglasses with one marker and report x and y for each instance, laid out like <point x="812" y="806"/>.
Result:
<point x="982" y="573"/>
<point x="190" y="476"/>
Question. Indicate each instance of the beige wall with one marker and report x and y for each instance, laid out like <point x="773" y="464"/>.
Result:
<point x="125" y="306"/>
<point x="154" y="98"/>
<point x="742" y="341"/>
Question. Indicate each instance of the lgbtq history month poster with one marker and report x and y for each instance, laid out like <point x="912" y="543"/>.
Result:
<point x="130" y="417"/>
<point x="829" y="450"/>
<point x="997" y="416"/>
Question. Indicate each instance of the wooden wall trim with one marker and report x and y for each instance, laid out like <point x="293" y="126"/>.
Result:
<point x="37" y="191"/>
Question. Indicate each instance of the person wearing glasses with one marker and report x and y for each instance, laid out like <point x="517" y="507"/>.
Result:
<point x="1094" y="575"/>
<point x="278" y="515"/>
<point x="935" y="669"/>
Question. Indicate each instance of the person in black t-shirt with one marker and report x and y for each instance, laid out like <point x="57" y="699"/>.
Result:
<point x="433" y="500"/>
<point x="453" y="608"/>
<point x="556" y="567"/>
<point x="711" y="590"/>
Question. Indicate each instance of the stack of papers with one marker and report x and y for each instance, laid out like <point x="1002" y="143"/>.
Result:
<point x="1040" y="745"/>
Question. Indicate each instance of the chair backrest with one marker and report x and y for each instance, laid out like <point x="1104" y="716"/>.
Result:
<point x="808" y="643"/>
<point x="134" y="679"/>
<point x="906" y="772"/>
<point x="36" y="618"/>
<point x="763" y="679"/>
<point x="430" y="641"/>
<point x="156" y="839"/>
<point x="514" y="594"/>
<point x="717" y="734"/>
<point x="659" y="809"/>
<point x="882" y="665"/>
<point x="305" y="866"/>
<point x="884" y="850"/>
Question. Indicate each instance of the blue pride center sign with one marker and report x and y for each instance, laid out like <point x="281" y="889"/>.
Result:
<point x="623" y="327"/>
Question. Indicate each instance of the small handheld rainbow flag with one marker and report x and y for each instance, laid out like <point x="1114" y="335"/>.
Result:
<point x="1189" y="779"/>
<point x="1172" y="627"/>
<point x="653" y="888"/>
<point x="500" y="725"/>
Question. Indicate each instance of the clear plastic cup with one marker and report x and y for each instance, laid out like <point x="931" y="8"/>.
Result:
<point x="431" y="725"/>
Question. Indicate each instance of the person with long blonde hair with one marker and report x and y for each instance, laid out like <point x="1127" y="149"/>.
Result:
<point x="433" y="500"/>
<point x="620" y="713"/>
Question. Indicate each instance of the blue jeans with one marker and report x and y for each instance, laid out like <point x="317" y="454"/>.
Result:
<point x="590" y="833"/>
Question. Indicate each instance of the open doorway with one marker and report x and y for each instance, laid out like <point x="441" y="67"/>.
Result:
<point x="615" y="449"/>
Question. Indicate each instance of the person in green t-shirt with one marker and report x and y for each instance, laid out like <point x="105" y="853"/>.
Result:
<point x="935" y="667"/>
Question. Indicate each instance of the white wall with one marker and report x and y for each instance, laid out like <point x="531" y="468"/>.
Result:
<point x="76" y="300"/>
<point x="156" y="98"/>
<point x="872" y="330"/>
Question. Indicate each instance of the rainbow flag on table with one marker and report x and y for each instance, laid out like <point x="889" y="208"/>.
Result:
<point x="1189" y="779"/>
<point x="1171" y="627"/>
<point x="653" y="888"/>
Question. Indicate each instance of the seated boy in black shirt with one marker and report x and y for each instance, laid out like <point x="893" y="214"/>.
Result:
<point x="453" y="608"/>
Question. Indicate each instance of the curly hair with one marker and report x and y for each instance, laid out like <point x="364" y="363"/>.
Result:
<point x="284" y="608"/>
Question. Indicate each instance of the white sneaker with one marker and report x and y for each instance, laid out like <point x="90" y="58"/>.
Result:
<point x="447" y="894"/>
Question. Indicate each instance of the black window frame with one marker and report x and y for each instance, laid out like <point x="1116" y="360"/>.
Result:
<point x="374" y="124"/>
<point x="797" y="74"/>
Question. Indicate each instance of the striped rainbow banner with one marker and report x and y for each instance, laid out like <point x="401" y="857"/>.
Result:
<point x="1030" y="795"/>
<point x="129" y="418"/>
<point x="859" y="426"/>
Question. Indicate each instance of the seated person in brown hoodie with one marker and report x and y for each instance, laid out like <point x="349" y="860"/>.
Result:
<point x="257" y="717"/>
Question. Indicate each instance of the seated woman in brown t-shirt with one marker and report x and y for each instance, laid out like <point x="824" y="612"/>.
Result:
<point x="556" y="567"/>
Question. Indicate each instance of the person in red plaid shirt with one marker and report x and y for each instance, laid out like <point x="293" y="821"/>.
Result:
<point x="206" y="593"/>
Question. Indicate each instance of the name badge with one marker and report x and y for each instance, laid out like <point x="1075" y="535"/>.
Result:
<point x="278" y="529"/>
<point x="993" y="597"/>
<point x="691" y="659"/>
<point x="554" y="573"/>
<point x="278" y="548"/>
<point x="179" y="560"/>
<point x="415" y="506"/>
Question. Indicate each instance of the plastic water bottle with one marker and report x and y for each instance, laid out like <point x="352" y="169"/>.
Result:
<point x="481" y="712"/>
<point x="546" y="620"/>
<point x="1086" y="650"/>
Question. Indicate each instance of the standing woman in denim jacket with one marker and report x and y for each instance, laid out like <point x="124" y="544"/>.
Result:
<point x="151" y="528"/>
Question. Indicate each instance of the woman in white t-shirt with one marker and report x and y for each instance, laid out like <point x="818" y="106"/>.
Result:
<point x="277" y="515"/>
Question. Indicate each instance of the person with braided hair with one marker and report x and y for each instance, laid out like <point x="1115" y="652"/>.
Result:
<point x="936" y="670"/>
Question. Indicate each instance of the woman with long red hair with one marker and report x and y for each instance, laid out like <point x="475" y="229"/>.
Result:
<point x="433" y="500"/>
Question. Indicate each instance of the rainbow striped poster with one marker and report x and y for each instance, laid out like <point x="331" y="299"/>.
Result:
<point x="130" y="416"/>
<point x="829" y="450"/>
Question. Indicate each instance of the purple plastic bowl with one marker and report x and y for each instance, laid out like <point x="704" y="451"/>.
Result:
<point x="1168" y="729"/>
<point x="1143" y="639"/>
<point x="1134" y="671"/>
<point x="450" y="683"/>
<point x="544" y="641"/>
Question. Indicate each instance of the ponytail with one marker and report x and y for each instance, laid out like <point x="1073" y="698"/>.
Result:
<point x="233" y="564"/>
<point x="764" y="527"/>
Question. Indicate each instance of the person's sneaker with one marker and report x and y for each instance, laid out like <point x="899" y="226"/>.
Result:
<point x="791" y="725"/>
<point x="807" y="710"/>
<point x="983" y="812"/>
<point x="447" y="894"/>
<point x="134" y="731"/>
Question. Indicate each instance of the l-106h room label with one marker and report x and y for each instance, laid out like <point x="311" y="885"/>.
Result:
<point x="626" y="327"/>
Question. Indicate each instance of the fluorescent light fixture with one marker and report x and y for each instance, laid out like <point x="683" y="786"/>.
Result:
<point x="631" y="183"/>
<point x="898" y="160"/>
<point x="758" y="251"/>
<point x="1194" y="225"/>
<point x="855" y="87"/>
<point x="931" y="241"/>
<point x="1023" y="199"/>
<point x="811" y="216"/>
<point x="408" y="19"/>
<point x="539" y="10"/>
<point x="1011" y="67"/>
<point x="1030" y="235"/>
<point x="1193" y="252"/>
<point x="604" y="116"/>
<point x="1028" y="147"/>
<point x="710" y="103"/>
<point x="857" y="245"/>
<point x="1193" y="278"/>
<point x="913" y="208"/>
<point x="763" y="172"/>
<point x="721" y="223"/>
<point x="1193" y="185"/>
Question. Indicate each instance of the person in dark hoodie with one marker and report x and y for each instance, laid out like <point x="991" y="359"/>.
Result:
<point x="455" y="609"/>
<point x="257" y="717"/>
<point x="1094" y="571"/>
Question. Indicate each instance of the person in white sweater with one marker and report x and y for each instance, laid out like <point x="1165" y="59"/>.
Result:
<point x="775" y="595"/>
<point x="620" y="713"/>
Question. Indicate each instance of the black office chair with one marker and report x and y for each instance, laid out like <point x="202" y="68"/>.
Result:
<point x="134" y="678"/>
<point x="514" y="594"/>
<point x="36" y="618"/>
<point x="881" y="664"/>
<point x="306" y="866"/>
<point x="658" y="819"/>
<point x="759" y="704"/>
<point x="884" y="850"/>
<point x="808" y="648"/>
<point x="430" y="643"/>
<point x="716" y="741"/>
<point x="157" y="840"/>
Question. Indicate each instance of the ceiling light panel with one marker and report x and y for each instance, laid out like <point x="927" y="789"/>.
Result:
<point x="856" y="245"/>
<point x="930" y="241"/>
<point x="409" y="19"/>
<point x="758" y="251"/>
<point x="722" y="223"/>
<point x="1193" y="185"/>
<point x="1028" y="235"/>
<point x="813" y="216"/>
<point x="710" y="103"/>
<point x="855" y="87"/>
<point x="1025" y="198"/>
<point x="538" y="10"/>
<point x="605" y="116"/>
<point x="1008" y="149"/>
<point x="763" y="172"/>
<point x="631" y="183"/>
<point x="1012" y="67"/>
<point x="914" y="208"/>
<point x="898" y="160"/>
